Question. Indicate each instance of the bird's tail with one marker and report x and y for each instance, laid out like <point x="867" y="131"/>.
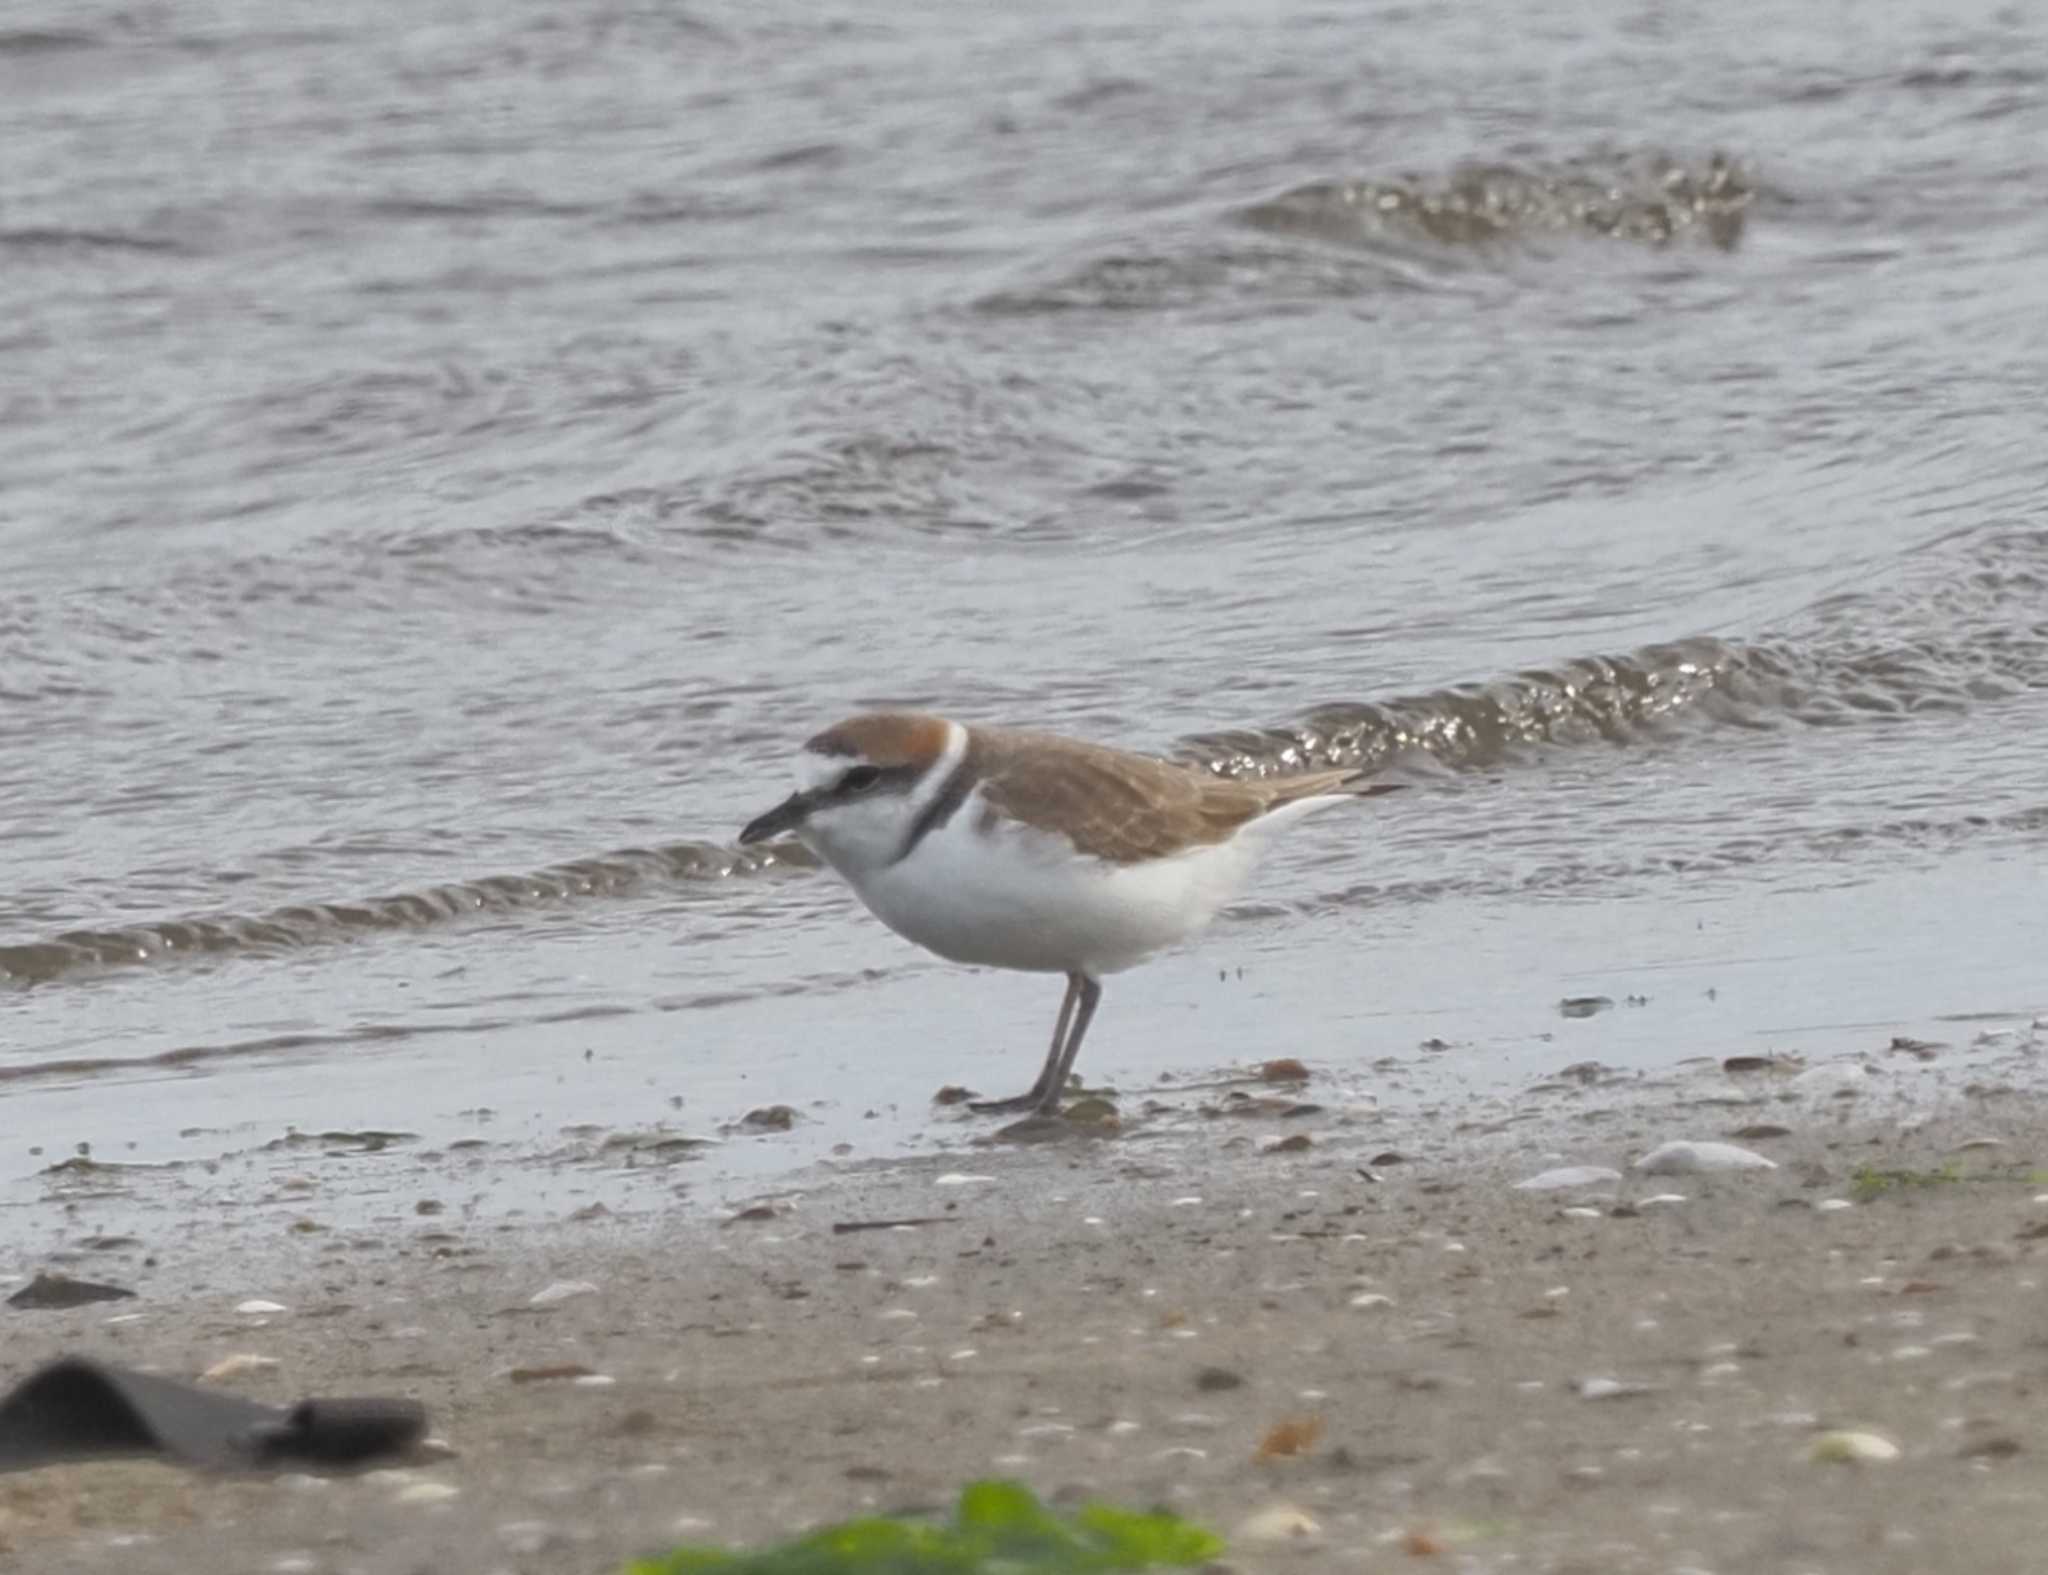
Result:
<point x="1326" y="784"/>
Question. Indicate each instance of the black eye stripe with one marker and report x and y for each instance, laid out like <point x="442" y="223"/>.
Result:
<point x="870" y="779"/>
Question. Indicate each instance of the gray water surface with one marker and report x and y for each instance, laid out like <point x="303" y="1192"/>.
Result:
<point x="450" y="456"/>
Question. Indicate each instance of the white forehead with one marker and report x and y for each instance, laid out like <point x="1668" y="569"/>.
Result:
<point x="814" y="771"/>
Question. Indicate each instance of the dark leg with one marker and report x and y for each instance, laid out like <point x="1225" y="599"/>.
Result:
<point x="1091" y="994"/>
<point x="1051" y="1077"/>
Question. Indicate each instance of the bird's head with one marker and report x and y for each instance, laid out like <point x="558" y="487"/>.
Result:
<point x="861" y="785"/>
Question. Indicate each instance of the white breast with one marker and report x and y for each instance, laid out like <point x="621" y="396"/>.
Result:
<point x="983" y="889"/>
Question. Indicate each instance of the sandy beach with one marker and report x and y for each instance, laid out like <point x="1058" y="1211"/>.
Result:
<point x="1617" y="1376"/>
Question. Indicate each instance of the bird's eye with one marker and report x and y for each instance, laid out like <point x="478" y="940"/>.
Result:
<point x="859" y="779"/>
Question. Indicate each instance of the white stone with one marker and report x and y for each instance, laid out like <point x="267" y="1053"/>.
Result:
<point x="1682" y="1158"/>
<point x="1610" y="1389"/>
<point x="234" y="1366"/>
<point x="1570" y="1176"/>
<point x="1279" y="1523"/>
<point x="561" y="1291"/>
<point x="1852" y="1449"/>
<point x="1831" y="1078"/>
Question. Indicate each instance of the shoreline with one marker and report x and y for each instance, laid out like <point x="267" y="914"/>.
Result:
<point x="1595" y="1377"/>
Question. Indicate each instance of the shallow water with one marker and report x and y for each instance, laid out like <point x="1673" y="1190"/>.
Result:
<point x="449" y="457"/>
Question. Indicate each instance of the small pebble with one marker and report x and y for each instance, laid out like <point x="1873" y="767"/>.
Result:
<point x="256" y="1307"/>
<point x="427" y="1493"/>
<point x="1278" y="1523"/>
<point x="1569" y="1176"/>
<point x="1683" y="1158"/>
<point x="234" y="1366"/>
<point x="561" y="1291"/>
<point x="1851" y="1448"/>
<point x="1612" y="1389"/>
<point x="1834" y="1078"/>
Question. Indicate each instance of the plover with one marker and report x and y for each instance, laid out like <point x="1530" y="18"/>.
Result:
<point x="1015" y="849"/>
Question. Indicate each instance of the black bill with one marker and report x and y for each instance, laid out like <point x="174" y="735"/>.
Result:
<point x="786" y="816"/>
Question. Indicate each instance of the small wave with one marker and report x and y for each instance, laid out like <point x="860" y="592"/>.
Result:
<point x="908" y="480"/>
<point x="1956" y="626"/>
<point x="1959" y="628"/>
<point x="1401" y="234"/>
<point x="477" y="205"/>
<point x="1591" y="698"/>
<point x="58" y="238"/>
<point x="46" y="40"/>
<point x="314" y="924"/>
<point x="1651" y="200"/>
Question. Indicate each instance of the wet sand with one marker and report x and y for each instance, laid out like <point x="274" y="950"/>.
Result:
<point x="1614" y="1378"/>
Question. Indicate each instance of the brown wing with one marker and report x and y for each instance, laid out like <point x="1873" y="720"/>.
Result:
<point x="1121" y="807"/>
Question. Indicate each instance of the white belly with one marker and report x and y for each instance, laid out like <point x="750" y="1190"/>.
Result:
<point x="1017" y="898"/>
